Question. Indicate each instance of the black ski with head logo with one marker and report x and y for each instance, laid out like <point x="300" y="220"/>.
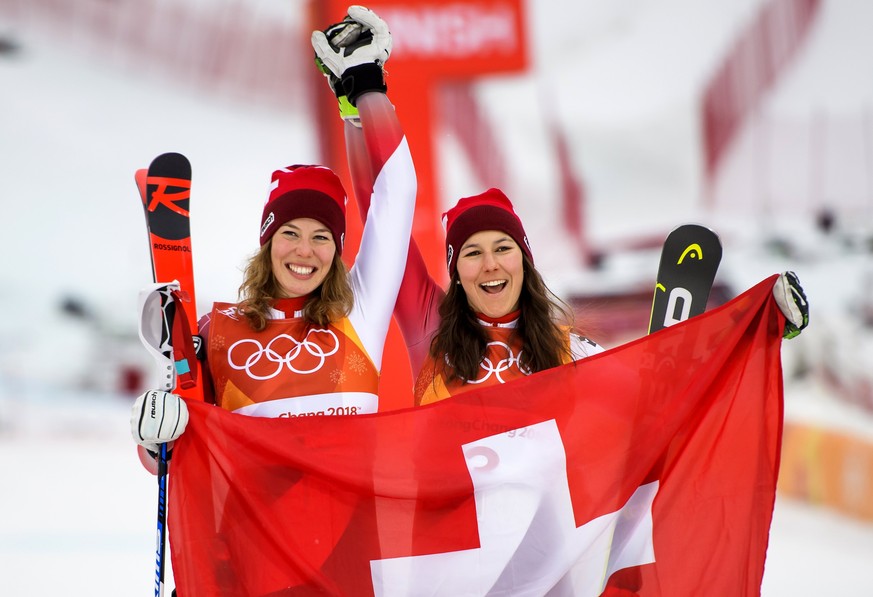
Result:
<point x="689" y="262"/>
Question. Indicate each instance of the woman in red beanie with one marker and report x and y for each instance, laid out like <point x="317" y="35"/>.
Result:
<point x="307" y="336"/>
<point x="498" y="320"/>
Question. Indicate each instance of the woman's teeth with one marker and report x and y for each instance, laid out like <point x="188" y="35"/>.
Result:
<point x="301" y="270"/>
<point x="493" y="286"/>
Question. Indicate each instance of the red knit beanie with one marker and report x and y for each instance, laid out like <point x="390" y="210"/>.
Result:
<point x="305" y="192"/>
<point x="490" y="210"/>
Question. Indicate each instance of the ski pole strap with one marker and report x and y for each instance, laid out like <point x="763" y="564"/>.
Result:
<point x="184" y="354"/>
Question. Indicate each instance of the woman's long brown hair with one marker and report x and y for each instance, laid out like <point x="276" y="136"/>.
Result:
<point x="460" y="342"/>
<point x="331" y="301"/>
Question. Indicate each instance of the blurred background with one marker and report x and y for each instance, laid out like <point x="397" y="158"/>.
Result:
<point x="607" y="124"/>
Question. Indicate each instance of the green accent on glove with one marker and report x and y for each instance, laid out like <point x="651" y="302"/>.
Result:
<point x="322" y="68"/>
<point x="346" y="109"/>
<point x="792" y="331"/>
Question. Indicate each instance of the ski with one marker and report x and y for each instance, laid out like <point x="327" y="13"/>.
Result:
<point x="160" y="550"/>
<point x="689" y="261"/>
<point x="690" y="257"/>
<point x="165" y="322"/>
<point x="165" y="190"/>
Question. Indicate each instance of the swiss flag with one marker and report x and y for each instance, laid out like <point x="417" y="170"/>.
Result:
<point x="649" y="469"/>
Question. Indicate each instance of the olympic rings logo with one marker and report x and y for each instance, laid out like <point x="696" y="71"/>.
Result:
<point x="502" y="365"/>
<point x="270" y="355"/>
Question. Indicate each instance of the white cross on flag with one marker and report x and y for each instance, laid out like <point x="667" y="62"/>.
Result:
<point x="647" y="470"/>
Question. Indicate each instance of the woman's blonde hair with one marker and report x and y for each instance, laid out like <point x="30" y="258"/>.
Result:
<point x="332" y="300"/>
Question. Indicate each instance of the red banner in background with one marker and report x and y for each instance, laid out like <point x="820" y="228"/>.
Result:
<point x="647" y="470"/>
<point x="753" y="64"/>
<point x="457" y="40"/>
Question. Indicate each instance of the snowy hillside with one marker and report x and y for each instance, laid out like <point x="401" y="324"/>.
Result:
<point x="621" y="77"/>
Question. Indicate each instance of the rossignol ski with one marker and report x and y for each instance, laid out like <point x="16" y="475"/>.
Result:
<point x="165" y="321"/>
<point x="689" y="261"/>
<point x="165" y="189"/>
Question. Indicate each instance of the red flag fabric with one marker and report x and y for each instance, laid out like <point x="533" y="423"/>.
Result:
<point x="647" y="470"/>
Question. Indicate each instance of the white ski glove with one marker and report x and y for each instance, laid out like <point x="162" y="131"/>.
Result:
<point x="352" y="56"/>
<point x="792" y="302"/>
<point x="342" y="35"/>
<point x="157" y="417"/>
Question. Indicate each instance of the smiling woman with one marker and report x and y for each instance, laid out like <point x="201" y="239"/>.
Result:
<point x="307" y="335"/>
<point x="283" y="349"/>
<point x="497" y="321"/>
<point x="302" y="255"/>
<point x="302" y="231"/>
<point x="485" y="243"/>
<point x="491" y="272"/>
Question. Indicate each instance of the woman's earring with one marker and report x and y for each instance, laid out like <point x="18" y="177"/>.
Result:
<point x="458" y="282"/>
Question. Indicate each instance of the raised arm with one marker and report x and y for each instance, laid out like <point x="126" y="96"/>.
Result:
<point x="417" y="307"/>
<point x="371" y="132"/>
<point x="355" y="70"/>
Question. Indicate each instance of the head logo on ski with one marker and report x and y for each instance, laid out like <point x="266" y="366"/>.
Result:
<point x="689" y="262"/>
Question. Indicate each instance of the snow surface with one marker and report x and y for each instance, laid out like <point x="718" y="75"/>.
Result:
<point x="78" y="510"/>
